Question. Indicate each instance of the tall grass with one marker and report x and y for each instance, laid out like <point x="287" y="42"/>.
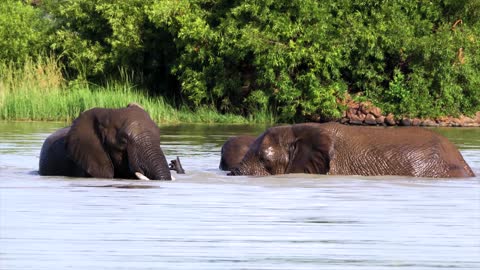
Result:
<point x="37" y="91"/>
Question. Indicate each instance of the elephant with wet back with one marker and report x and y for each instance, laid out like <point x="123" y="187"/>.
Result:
<point x="107" y="143"/>
<point x="336" y="149"/>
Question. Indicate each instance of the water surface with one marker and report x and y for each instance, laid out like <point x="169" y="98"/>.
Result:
<point x="207" y="220"/>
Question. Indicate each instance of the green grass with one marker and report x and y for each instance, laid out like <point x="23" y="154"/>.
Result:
<point x="37" y="91"/>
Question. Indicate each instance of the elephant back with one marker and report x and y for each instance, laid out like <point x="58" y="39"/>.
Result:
<point x="53" y="156"/>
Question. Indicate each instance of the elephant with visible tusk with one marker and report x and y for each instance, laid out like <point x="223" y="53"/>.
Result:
<point x="107" y="143"/>
<point x="336" y="149"/>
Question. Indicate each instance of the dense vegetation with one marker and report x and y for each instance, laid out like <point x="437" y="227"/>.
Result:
<point x="295" y="58"/>
<point x="38" y="91"/>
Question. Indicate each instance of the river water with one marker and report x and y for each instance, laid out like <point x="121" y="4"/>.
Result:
<point x="208" y="220"/>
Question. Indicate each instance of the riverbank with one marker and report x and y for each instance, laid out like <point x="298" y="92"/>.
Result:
<point x="365" y="113"/>
<point x="38" y="91"/>
<point x="67" y="104"/>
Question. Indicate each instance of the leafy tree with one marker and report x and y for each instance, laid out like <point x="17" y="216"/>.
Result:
<point x="407" y="57"/>
<point x="99" y="37"/>
<point x="24" y="31"/>
<point x="268" y="54"/>
<point x="295" y="58"/>
<point x="299" y="57"/>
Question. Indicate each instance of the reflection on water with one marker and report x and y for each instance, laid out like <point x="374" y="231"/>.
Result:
<point x="207" y="220"/>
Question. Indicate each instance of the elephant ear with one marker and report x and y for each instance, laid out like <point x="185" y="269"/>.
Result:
<point x="311" y="151"/>
<point x="84" y="144"/>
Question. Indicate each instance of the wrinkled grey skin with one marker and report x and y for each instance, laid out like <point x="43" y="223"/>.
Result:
<point x="336" y="149"/>
<point x="233" y="151"/>
<point x="106" y="143"/>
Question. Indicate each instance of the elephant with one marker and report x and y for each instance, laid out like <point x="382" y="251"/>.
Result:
<point x="233" y="151"/>
<point x="107" y="143"/>
<point x="336" y="149"/>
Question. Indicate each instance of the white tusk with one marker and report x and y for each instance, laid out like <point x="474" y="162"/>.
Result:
<point x="173" y="178"/>
<point x="141" y="176"/>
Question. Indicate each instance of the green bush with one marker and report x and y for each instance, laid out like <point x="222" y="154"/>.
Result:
<point x="230" y="52"/>
<point x="24" y="31"/>
<point x="304" y="55"/>
<point x="99" y="38"/>
<point x="295" y="59"/>
<point x="405" y="55"/>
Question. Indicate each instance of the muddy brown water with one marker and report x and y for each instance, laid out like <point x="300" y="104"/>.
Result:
<point x="208" y="220"/>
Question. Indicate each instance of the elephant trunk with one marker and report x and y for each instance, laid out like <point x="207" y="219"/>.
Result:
<point x="148" y="159"/>
<point x="155" y="166"/>
<point x="236" y="171"/>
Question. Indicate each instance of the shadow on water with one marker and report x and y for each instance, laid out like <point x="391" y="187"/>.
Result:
<point x="208" y="220"/>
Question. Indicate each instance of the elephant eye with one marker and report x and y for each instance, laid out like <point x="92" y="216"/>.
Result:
<point x="123" y="140"/>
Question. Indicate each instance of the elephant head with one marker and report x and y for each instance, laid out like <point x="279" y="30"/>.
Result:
<point x="336" y="149"/>
<point x="288" y="149"/>
<point x="118" y="143"/>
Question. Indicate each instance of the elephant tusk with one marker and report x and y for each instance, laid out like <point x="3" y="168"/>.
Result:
<point x="141" y="176"/>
